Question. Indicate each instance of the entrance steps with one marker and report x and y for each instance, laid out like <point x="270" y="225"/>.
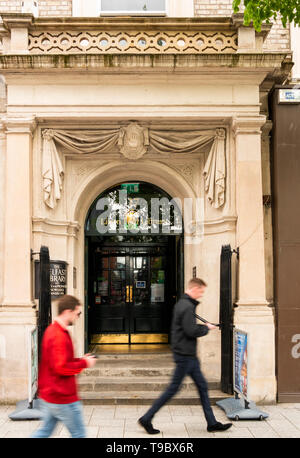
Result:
<point x="137" y="379"/>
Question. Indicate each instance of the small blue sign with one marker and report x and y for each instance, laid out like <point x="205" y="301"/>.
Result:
<point x="140" y="284"/>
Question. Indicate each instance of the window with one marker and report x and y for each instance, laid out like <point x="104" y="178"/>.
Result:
<point x="133" y="7"/>
<point x="171" y="8"/>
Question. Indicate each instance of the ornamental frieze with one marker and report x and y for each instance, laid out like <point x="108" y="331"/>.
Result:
<point x="133" y="142"/>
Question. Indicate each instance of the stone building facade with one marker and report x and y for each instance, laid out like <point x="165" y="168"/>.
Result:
<point x="71" y="81"/>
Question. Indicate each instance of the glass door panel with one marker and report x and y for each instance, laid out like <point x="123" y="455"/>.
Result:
<point x="109" y="313"/>
<point x="131" y="300"/>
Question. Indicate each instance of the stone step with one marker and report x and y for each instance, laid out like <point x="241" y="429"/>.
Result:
<point x="130" y="384"/>
<point x="132" y="367"/>
<point x="137" y="378"/>
<point x="134" y="356"/>
<point x="184" y="397"/>
<point x="129" y="368"/>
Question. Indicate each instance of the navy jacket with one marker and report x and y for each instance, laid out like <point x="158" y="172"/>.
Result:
<point x="184" y="329"/>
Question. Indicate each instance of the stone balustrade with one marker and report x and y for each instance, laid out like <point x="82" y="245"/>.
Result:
<point x="24" y="34"/>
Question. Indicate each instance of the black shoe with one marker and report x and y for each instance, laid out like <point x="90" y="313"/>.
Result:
<point x="147" y="425"/>
<point x="219" y="427"/>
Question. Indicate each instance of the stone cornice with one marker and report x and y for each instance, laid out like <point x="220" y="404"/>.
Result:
<point x="55" y="227"/>
<point x="248" y="125"/>
<point x="71" y="228"/>
<point x="16" y="20"/>
<point x="118" y="23"/>
<point x="219" y="226"/>
<point x="19" y="125"/>
<point x="268" y="62"/>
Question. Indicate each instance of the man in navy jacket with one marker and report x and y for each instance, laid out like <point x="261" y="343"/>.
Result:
<point x="184" y="333"/>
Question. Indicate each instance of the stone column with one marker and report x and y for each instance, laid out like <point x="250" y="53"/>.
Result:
<point x="17" y="315"/>
<point x="2" y="181"/>
<point x="252" y="313"/>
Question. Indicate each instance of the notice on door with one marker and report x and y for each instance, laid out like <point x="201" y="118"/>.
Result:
<point x="157" y="292"/>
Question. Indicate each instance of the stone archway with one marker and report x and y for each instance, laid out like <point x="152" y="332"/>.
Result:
<point x="110" y="175"/>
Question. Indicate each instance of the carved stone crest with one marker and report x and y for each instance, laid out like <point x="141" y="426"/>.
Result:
<point x="133" y="141"/>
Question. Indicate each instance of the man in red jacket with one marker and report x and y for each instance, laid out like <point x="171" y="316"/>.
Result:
<point x="57" y="384"/>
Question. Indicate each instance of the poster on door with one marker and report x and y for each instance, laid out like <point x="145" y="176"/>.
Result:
<point x="157" y="292"/>
<point x="240" y="354"/>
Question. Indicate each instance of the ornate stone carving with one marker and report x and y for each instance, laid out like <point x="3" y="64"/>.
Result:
<point x="186" y="170"/>
<point x="133" y="140"/>
<point x="48" y="134"/>
<point x="220" y="133"/>
<point x="143" y="42"/>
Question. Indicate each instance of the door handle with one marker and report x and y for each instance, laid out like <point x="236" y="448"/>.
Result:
<point x="128" y="293"/>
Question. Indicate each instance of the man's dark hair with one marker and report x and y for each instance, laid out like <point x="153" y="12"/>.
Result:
<point x="67" y="302"/>
<point x="196" y="282"/>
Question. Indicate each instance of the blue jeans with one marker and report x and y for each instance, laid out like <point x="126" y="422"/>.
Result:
<point x="69" y="414"/>
<point x="185" y="365"/>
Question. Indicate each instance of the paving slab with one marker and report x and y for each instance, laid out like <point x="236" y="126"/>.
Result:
<point x="173" y="421"/>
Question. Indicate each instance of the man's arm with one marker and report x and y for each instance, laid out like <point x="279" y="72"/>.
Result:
<point x="190" y="327"/>
<point x="61" y="365"/>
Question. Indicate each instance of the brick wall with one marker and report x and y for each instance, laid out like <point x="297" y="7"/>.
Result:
<point x="11" y="6"/>
<point x="55" y="8"/>
<point x="46" y="7"/>
<point x="278" y="38"/>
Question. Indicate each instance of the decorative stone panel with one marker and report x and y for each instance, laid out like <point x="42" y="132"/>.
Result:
<point x="131" y="42"/>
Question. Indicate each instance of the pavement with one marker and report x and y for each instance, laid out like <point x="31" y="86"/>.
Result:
<point x="174" y="421"/>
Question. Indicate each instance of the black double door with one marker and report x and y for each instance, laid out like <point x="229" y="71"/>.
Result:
<point x="132" y="290"/>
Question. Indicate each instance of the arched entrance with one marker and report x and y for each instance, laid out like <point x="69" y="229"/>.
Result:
<point x="133" y="264"/>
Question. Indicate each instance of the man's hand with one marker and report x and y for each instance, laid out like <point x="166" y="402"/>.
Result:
<point x="90" y="360"/>
<point x="211" y="326"/>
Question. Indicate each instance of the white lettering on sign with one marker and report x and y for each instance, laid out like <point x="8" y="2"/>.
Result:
<point x="296" y="348"/>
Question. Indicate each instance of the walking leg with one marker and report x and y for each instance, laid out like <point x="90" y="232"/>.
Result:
<point x="178" y="376"/>
<point x="49" y="422"/>
<point x="72" y="417"/>
<point x="201" y="384"/>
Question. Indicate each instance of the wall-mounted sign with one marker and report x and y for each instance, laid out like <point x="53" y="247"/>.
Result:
<point x="140" y="284"/>
<point x="58" y="278"/>
<point x="289" y="95"/>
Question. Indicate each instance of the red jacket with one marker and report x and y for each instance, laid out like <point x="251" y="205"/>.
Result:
<point x="58" y="367"/>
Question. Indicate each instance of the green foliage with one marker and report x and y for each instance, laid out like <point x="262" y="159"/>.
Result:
<point x="260" y="11"/>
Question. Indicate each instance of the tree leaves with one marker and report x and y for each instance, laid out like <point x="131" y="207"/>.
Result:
<point x="259" y="11"/>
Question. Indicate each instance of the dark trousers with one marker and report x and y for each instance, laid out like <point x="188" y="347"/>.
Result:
<point x="185" y="365"/>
